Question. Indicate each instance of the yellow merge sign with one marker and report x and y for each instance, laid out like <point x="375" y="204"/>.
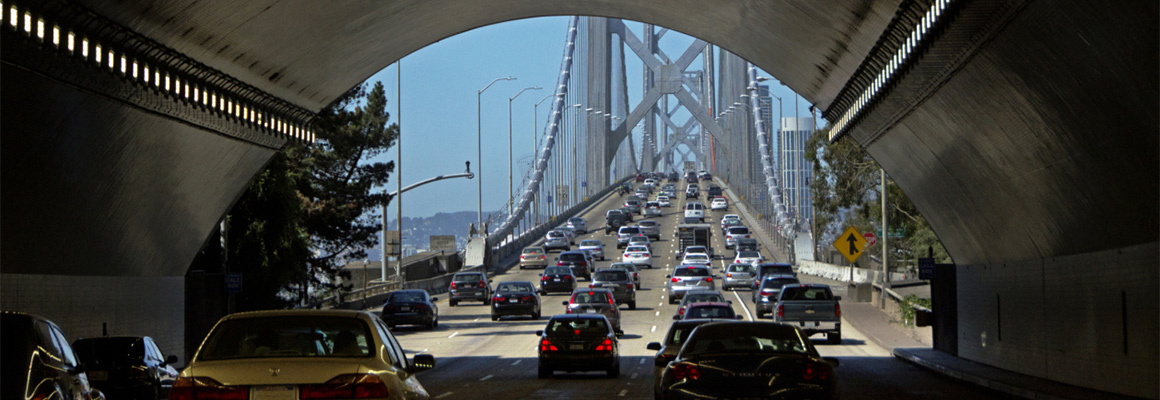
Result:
<point x="850" y="243"/>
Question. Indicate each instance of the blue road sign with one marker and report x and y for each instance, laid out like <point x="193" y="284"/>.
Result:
<point x="233" y="283"/>
<point x="926" y="268"/>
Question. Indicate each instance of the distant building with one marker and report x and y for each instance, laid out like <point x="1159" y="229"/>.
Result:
<point x="796" y="172"/>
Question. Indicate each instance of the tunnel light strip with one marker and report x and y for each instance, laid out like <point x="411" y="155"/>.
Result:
<point x="884" y="77"/>
<point x="122" y="63"/>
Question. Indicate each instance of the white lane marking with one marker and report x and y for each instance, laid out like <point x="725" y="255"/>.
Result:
<point x="658" y="312"/>
<point x="476" y="320"/>
<point x="633" y="377"/>
<point x="641" y="361"/>
<point x="622" y="393"/>
<point x="654" y="328"/>
<point x="424" y="351"/>
<point x="485" y="378"/>
<point x="516" y="363"/>
<point x="453" y="335"/>
<point x="444" y="395"/>
<point x="740" y="300"/>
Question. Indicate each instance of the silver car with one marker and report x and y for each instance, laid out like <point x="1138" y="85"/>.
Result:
<point x="739" y="276"/>
<point x="697" y="259"/>
<point x="650" y="228"/>
<point x="652" y="209"/>
<point x="748" y="257"/>
<point x="593" y="247"/>
<point x="619" y="282"/>
<point x="625" y="233"/>
<point x="578" y="225"/>
<point x="689" y="277"/>
<point x="306" y="347"/>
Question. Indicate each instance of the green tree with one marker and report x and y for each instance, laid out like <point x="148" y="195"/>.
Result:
<point x="336" y="179"/>
<point x="846" y="188"/>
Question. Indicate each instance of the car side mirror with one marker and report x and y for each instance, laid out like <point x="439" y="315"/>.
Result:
<point x="619" y="333"/>
<point x="654" y="346"/>
<point x="539" y="333"/>
<point x="565" y="303"/>
<point x="676" y="318"/>
<point x="831" y="360"/>
<point x="729" y="301"/>
<point x="668" y="276"/>
<point x="421" y="362"/>
<point x="837" y="298"/>
<point x="172" y="359"/>
<point x="489" y="281"/>
<point x="434" y="299"/>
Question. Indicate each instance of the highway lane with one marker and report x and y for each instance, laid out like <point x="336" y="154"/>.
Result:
<point x="482" y="359"/>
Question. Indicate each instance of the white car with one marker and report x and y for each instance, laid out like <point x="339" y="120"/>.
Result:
<point x="652" y="209"/>
<point x="694" y="209"/>
<point x="729" y="216"/>
<point x="640" y="240"/>
<point x="664" y="201"/>
<point x="719" y="204"/>
<point x="292" y="353"/>
<point x="735" y="233"/>
<point x="637" y="255"/>
<point x="748" y="257"/>
<point x="698" y="250"/>
<point x="593" y="247"/>
<point x="697" y="259"/>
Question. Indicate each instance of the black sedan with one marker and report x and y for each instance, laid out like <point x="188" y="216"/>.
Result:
<point x="410" y="307"/>
<point x="515" y="298"/>
<point x="749" y="360"/>
<point x="127" y="366"/>
<point x="557" y="279"/>
<point x="578" y="342"/>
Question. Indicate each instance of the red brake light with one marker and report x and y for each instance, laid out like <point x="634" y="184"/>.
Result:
<point x="497" y="298"/>
<point x="709" y="279"/>
<point x="559" y="263"/>
<point x="567" y="277"/>
<point x="453" y="284"/>
<point x="206" y="388"/>
<point x="546" y="345"/>
<point x="729" y="275"/>
<point x="544" y="278"/>
<point x="613" y="303"/>
<point x="676" y="280"/>
<point x="606" y="345"/>
<point x="686" y="371"/>
<point x="527" y="298"/>
<point x="347" y="386"/>
<point x="766" y="293"/>
<point x="631" y="286"/>
<point x="780" y="311"/>
<point x="837" y="310"/>
<point x="816" y="371"/>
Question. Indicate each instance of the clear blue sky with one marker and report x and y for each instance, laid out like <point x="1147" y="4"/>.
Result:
<point x="439" y="89"/>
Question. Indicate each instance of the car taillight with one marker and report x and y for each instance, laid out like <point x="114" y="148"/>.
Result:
<point x="527" y="298"/>
<point x="729" y="275"/>
<point x="631" y="286"/>
<point x="780" y="311"/>
<point x="453" y="285"/>
<point x="837" y="310"/>
<point x="545" y="277"/>
<point x="546" y="345"/>
<point x="686" y="371"/>
<point x="681" y="311"/>
<point x="560" y="264"/>
<point x="676" y="280"/>
<point x="205" y="388"/>
<point x="567" y="277"/>
<point x="347" y="386"/>
<point x="497" y="298"/>
<point x="766" y="293"/>
<point x="709" y="279"/>
<point x="816" y="371"/>
<point x="606" y="345"/>
<point x="421" y="307"/>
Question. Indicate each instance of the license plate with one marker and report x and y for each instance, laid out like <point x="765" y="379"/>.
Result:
<point x="405" y="309"/>
<point x="285" y="392"/>
<point x="98" y="375"/>
<point x="514" y="301"/>
<point x="556" y="280"/>
<point x="575" y="347"/>
<point x="591" y="311"/>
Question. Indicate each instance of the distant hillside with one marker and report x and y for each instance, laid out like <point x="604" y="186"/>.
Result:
<point x="417" y="232"/>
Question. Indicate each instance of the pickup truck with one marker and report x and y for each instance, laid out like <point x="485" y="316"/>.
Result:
<point x="812" y="308"/>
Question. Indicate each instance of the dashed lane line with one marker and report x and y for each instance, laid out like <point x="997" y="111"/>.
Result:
<point x="654" y="328"/>
<point x="516" y="363"/>
<point x="444" y="395"/>
<point x="453" y="335"/>
<point x="622" y="393"/>
<point x="485" y="378"/>
<point x="742" y="301"/>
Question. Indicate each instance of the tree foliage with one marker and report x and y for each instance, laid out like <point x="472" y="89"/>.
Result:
<point x="845" y="191"/>
<point x="313" y="207"/>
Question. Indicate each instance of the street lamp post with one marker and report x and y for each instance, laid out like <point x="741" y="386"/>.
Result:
<point x="511" y="198"/>
<point x="479" y="143"/>
<point x="535" y="149"/>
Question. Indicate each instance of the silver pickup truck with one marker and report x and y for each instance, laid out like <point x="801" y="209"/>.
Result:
<point x="812" y="308"/>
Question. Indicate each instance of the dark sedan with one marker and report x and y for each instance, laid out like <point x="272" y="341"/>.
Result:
<point x="760" y="360"/>
<point x="130" y="367"/>
<point x="557" y="279"/>
<point x="578" y="342"/>
<point x="667" y="351"/>
<point x="410" y="307"/>
<point x="515" y="298"/>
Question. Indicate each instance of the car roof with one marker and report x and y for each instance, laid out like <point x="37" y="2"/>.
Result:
<point x="597" y="241"/>
<point x="582" y="290"/>
<point x="578" y="316"/>
<point x="709" y="304"/>
<point x="296" y="313"/>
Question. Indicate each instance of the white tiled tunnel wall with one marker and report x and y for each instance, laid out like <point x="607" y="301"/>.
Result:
<point x="1063" y="319"/>
<point x="139" y="306"/>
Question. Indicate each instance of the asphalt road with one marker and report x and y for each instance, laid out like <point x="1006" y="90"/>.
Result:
<point x="481" y="359"/>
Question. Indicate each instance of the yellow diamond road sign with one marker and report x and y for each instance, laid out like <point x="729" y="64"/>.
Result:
<point x="850" y="243"/>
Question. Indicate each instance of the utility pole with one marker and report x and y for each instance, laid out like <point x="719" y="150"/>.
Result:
<point x="398" y="169"/>
<point x="885" y="242"/>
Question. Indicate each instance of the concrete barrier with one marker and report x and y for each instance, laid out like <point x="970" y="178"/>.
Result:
<point x="842" y="274"/>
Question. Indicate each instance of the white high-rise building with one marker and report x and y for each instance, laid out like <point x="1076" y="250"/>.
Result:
<point x="796" y="172"/>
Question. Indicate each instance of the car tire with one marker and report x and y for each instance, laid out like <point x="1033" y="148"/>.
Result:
<point x="487" y="301"/>
<point x="494" y="318"/>
<point x="632" y="305"/>
<point x="614" y="372"/>
<point x="435" y="323"/>
<point x="453" y="303"/>
<point x="536" y="315"/>
<point x="834" y="337"/>
<point x="431" y="325"/>
<point x="672" y="300"/>
<point x="544" y="373"/>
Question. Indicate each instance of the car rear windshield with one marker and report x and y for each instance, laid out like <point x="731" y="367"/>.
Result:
<point x="536" y="250"/>
<point x="710" y="312"/>
<point x="740" y="268"/>
<point x="648" y="223"/>
<point x="590" y="243"/>
<point x="691" y="272"/>
<point x="468" y="278"/>
<point x="745" y="338"/>
<point x="110" y="351"/>
<point x="739" y="230"/>
<point x="576" y="220"/>
<point x="701" y="297"/>
<point x="629" y="230"/>
<point x="558" y="271"/>
<point x="776" y="269"/>
<point x="697" y="257"/>
<point x="612" y="275"/>
<point x="555" y="234"/>
<point x="288" y="336"/>
<point x="806" y="293"/>
<point x="577" y="326"/>
<point x="749" y="254"/>
<point x="694" y="206"/>
<point x="572" y="257"/>
<point x="778" y="283"/>
<point x="590" y="297"/>
<point x="636" y="249"/>
<point x="406" y="296"/>
<point x="512" y="287"/>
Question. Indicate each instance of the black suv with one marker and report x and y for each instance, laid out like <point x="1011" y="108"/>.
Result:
<point x="473" y="286"/>
<point x="715" y="191"/>
<point x="127" y="366"/>
<point x="613" y="220"/>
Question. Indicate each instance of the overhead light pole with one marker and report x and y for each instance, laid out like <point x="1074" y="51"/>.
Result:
<point x="479" y="144"/>
<point x="511" y="198"/>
